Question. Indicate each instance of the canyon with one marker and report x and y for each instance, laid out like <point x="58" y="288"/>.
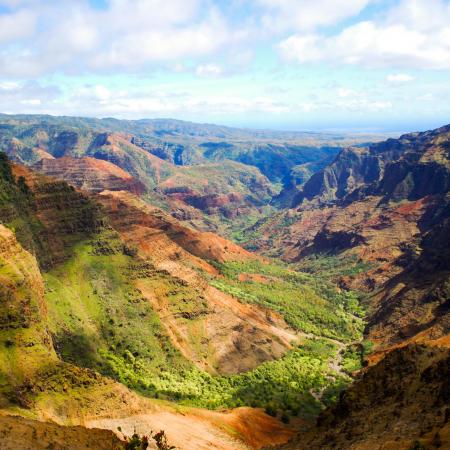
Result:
<point x="236" y="289"/>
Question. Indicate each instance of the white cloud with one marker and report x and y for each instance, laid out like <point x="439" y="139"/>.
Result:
<point x="304" y="15"/>
<point x="421" y="15"/>
<point x="209" y="70"/>
<point x="344" y="93"/>
<point x="140" y="47"/>
<point x="370" y="45"/>
<point x="9" y="85"/>
<point x="31" y="101"/>
<point x="102" y="92"/>
<point x="128" y="35"/>
<point x="208" y="38"/>
<point x="426" y="97"/>
<point x="148" y="14"/>
<point x="16" y="26"/>
<point x="26" y="97"/>
<point x="301" y="48"/>
<point x="14" y="3"/>
<point x="399" y="78"/>
<point x="100" y="101"/>
<point x="395" y="41"/>
<point x="359" y="100"/>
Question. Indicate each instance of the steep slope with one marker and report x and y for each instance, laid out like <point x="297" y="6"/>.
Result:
<point x="119" y="150"/>
<point x="414" y="305"/>
<point x="134" y="295"/>
<point x="54" y="218"/>
<point x="183" y="143"/>
<point x="219" y="197"/>
<point x="164" y="276"/>
<point x="17" y="432"/>
<point x="411" y="167"/>
<point x="27" y="345"/>
<point x="76" y="228"/>
<point x="214" y="197"/>
<point x="183" y="315"/>
<point x="401" y="403"/>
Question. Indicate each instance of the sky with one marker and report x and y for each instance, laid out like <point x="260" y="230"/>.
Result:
<point x="348" y="65"/>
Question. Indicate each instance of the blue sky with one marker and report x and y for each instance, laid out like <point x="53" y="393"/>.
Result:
<point x="368" y="65"/>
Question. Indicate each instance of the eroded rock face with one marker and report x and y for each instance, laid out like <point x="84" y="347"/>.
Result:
<point x="127" y="212"/>
<point x="414" y="306"/>
<point x="21" y="278"/>
<point x="60" y="214"/>
<point x="351" y="168"/>
<point x="89" y="174"/>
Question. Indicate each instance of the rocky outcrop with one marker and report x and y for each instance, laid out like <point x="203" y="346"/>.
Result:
<point x="217" y="197"/>
<point x="414" y="306"/>
<point x="351" y="169"/>
<point x="119" y="150"/>
<point x="127" y="211"/>
<point x="231" y="172"/>
<point x="62" y="216"/>
<point x="48" y="216"/>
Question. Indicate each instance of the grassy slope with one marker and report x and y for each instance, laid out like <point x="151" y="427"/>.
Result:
<point x="98" y="317"/>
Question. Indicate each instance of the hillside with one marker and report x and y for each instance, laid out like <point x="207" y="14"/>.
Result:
<point x="401" y="403"/>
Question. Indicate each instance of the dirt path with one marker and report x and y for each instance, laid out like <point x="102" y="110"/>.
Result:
<point x="188" y="429"/>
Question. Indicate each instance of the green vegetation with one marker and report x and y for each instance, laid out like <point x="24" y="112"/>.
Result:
<point x="16" y="207"/>
<point x="417" y="445"/>
<point x="100" y="320"/>
<point x="354" y="356"/>
<point x="282" y="385"/>
<point x="324" y="265"/>
<point x="72" y="216"/>
<point x="307" y="303"/>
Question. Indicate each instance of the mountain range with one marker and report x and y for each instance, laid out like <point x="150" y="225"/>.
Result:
<point x="237" y="289"/>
